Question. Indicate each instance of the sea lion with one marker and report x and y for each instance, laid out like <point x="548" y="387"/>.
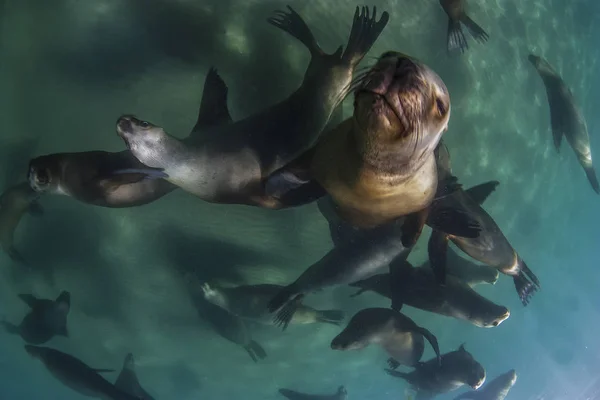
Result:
<point x="491" y="247"/>
<point x="250" y="302"/>
<point x="467" y="271"/>
<point x="495" y="390"/>
<point x="341" y="394"/>
<point x="116" y="180"/>
<point x="344" y="264"/>
<point x="14" y="202"/>
<point x="47" y="318"/>
<point x="566" y="117"/>
<point x="230" y="163"/>
<point x="128" y="382"/>
<point x="429" y="379"/>
<point x="455" y="9"/>
<point x="77" y="375"/>
<point x="419" y="289"/>
<point x="397" y="334"/>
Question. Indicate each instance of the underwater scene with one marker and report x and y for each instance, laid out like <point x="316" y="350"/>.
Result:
<point x="299" y="199"/>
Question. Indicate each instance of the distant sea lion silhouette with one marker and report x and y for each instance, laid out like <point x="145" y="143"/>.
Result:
<point x="341" y="394"/>
<point x="128" y="382"/>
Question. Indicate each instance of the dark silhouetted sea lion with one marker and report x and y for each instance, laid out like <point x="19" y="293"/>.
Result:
<point x="128" y="381"/>
<point x="230" y="163"/>
<point x="418" y="288"/>
<point x="397" y="334"/>
<point x="118" y="179"/>
<point x="430" y="379"/>
<point x="493" y="390"/>
<point x="14" y="202"/>
<point x="76" y="375"/>
<point x="491" y="247"/>
<point x="341" y="394"/>
<point x="250" y="301"/>
<point x="566" y="117"/>
<point x="46" y="319"/>
<point x="455" y="9"/>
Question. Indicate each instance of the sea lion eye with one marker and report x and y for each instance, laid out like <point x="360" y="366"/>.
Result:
<point x="144" y="124"/>
<point x="440" y="106"/>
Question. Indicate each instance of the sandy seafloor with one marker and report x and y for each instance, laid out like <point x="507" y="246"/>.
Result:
<point x="69" y="68"/>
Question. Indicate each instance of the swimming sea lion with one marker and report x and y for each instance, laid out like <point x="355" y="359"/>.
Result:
<point x="231" y="162"/>
<point x="419" y="289"/>
<point x="344" y="264"/>
<point x="495" y="390"/>
<point x="429" y="379"/>
<point x="77" y="375"/>
<point x="397" y="334"/>
<point x="46" y="319"/>
<point x="491" y="247"/>
<point x="250" y="301"/>
<point x="342" y="394"/>
<point x="455" y="9"/>
<point x="128" y="382"/>
<point x="14" y="202"/>
<point x="117" y="180"/>
<point x="566" y="117"/>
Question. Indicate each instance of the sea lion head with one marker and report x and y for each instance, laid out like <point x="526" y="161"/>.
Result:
<point x="144" y="139"/>
<point x="43" y="174"/>
<point x="490" y="316"/>
<point x="401" y="110"/>
<point x="475" y="373"/>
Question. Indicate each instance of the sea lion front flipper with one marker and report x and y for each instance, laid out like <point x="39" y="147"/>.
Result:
<point x="359" y="292"/>
<point x="455" y="37"/>
<point x="255" y="351"/>
<point x="481" y="192"/>
<point x="292" y="23"/>
<point x="591" y="175"/>
<point x="36" y="209"/>
<point x="476" y="31"/>
<point x="363" y="34"/>
<point x="393" y="364"/>
<point x="213" y="109"/>
<point x="432" y="341"/>
<point x="286" y="313"/>
<point x="29" y="299"/>
<point x="413" y="226"/>
<point x="399" y="268"/>
<point x="437" y="249"/>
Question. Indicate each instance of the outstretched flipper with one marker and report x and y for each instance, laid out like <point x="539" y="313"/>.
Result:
<point x="481" y="192"/>
<point x="591" y="175"/>
<point x="29" y="299"/>
<point x="456" y="39"/>
<point x="432" y="341"/>
<point x="213" y="106"/>
<point x="476" y="31"/>
<point x="365" y="31"/>
<point x="256" y="351"/>
<point x="292" y="23"/>
<point x="526" y="283"/>
<point x="334" y="317"/>
<point x="437" y="249"/>
<point x="286" y="312"/>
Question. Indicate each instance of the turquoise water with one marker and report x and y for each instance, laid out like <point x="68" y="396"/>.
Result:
<point x="68" y="69"/>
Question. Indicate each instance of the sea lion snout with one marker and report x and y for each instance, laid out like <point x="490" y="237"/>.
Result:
<point x="38" y="176"/>
<point x="478" y="378"/>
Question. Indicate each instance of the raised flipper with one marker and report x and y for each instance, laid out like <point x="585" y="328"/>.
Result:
<point x="365" y="31"/>
<point x="432" y="341"/>
<point x="255" y="351"/>
<point x="526" y="283"/>
<point x="481" y="192"/>
<point x="476" y="31"/>
<point x="591" y="175"/>
<point x="456" y="39"/>
<point x="292" y="23"/>
<point x="29" y="299"/>
<point x="213" y="109"/>
<point x="437" y="249"/>
<point x="36" y="209"/>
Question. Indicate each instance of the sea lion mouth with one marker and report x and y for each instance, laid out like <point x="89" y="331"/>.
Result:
<point x="397" y="108"/>
<point x="124" y="125"/>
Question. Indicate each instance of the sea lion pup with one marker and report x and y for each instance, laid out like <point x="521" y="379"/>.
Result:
<point x="566" y="117"/>
<point x="128" y="382"/>
<point x="230" y="163"/>
<point x="491" y="247"/>
<point x="455" y="9"/>
<point x="417" y="288"/>
<point x="341" y="394"/>
<point x="344" y="264"/>
<point x="495" y="390"/>
<point x="77" y="375"/>
<point x="92" y="177"/>
<point x="14" y="202"/>
<point x="397" y="334"/>
<point x="430" y="379"/>
<point x="250" y="302"/>
<point x="47" y="318"/>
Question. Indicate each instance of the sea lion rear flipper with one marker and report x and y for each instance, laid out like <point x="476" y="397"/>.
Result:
<point x="256" y="351"/>
<point x="363" y="34"/>
<point x="432" y="341"/>
<point x="437" y="249"/>
<point x="29" y="299"/>
<point x="10" y="328"/>
<point x="455" y="37"/>
<point x="476" y="31"/>
<point x="330" y="316"/>
<point x="526" y="283"/>
<point x="591" y="175"/>
<point x="36" y="209"/>
<point x="413" y="226"/>
<point x="399" y="268"/>
<point x="213" y="109"/>
<point x="481" y="192"/>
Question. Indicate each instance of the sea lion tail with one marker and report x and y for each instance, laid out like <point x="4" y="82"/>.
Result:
<point x="456" y="38"/>
<point x="334" y="317"/>
<point x="255" y="351"/>
<point x="591" y="175"/>
<point x="476" y="31"/>
<point x="365" y="31"/>
<point x="526" y="283"/>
